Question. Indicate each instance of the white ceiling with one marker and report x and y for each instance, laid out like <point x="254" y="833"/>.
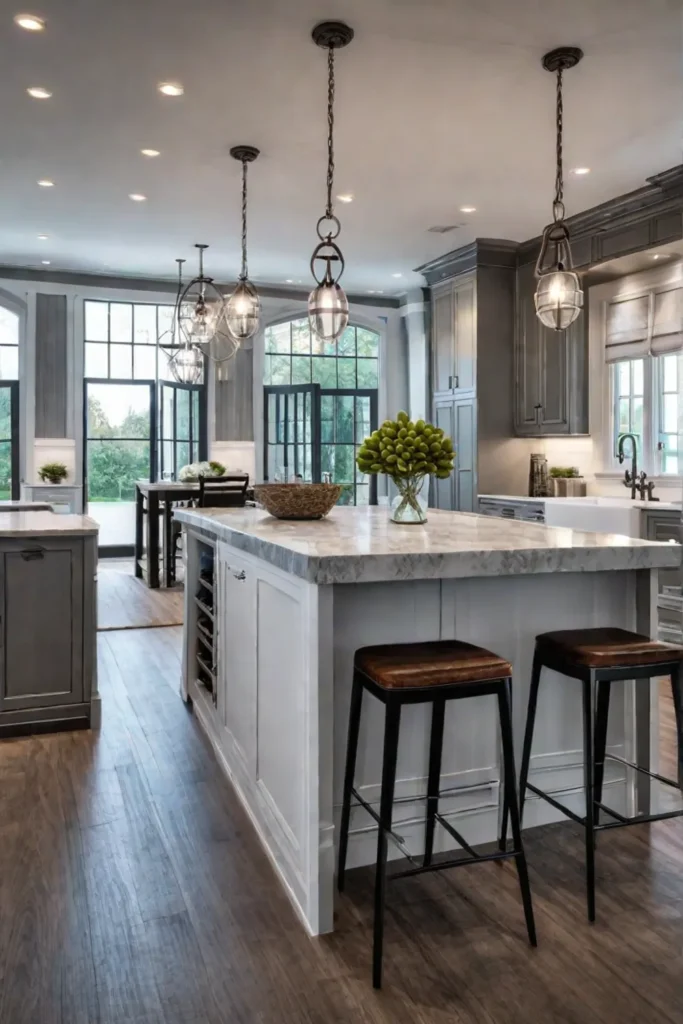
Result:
<point x="441" y="104"/>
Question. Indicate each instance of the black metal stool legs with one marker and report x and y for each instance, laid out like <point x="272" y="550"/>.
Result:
<point x="391" y="729"/>
<point x="351" y="751"/>
<point x="510" y="786"/>
<point x="435" y="749"/>
<point x="589" y="788"/>
<point x="601" y="719"/>
<point x="529" y="731"/>
<point x="676" y="688"/>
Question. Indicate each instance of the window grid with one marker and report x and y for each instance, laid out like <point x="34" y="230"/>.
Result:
<point x="121" y="340"/>
<point x="9" y="345"/>
<point x="294" y="355"/>
<point x="648" y="402"/>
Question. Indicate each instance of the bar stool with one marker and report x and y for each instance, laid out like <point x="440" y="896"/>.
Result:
<point x="435" y="672"/>
<point x="599" y="657"/>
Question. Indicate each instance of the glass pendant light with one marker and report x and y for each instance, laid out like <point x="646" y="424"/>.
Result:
<point x="243" y="307"/>
<point x="559" y="298"/>
<point x="328" y="307"/>
<point x="186" y="362"/>
<point x="200" y="307"/>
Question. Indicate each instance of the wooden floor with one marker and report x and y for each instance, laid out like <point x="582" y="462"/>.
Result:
<point x="124" y="602"/>
<point x="133" y="891"/>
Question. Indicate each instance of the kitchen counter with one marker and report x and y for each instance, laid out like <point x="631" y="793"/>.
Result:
<point x="592" y="499"/>
<point x="274" y="611"/>
<point x="22" y="523"/>
<point x="361" y="545"/>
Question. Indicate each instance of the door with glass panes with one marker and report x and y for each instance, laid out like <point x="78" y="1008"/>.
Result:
<point x="182" y="427"/>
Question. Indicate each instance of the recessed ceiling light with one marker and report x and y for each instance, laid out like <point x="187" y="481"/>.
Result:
<point x="137" y="197"/>
<point x="289" y="281"/>
<point x="375" y="291"/>
<point x="171" y="88"/>
<point x="580" y="170"/>
<point x="39" y="93"/>
<point x="660" y="256"/>
<point x="46" y="183"/>
<point x="45" y="263"/>
<point x="31" y="22"/>
<point x="397" y="275"/>
<point x="345" y="197"/>
<point x="468" y="209"/>
<point x="42" y="238"/>
<point x="150" y="152"/>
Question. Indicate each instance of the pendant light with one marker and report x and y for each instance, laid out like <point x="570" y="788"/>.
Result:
<point x="186" y="362"/>
<point x="200" y="307"/>
<point x="243" y="307"/>
<point x="328" y="307"/>
<point x="559" y="297"/>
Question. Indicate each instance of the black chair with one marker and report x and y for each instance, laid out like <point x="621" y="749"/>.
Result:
<point x="228" y="491"/>
<point x="598" y="658"/>
<point x="435" y="672"/>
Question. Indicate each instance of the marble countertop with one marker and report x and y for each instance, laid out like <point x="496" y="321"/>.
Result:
<point x="361" y="545"/>
<point x="44" y="524"/>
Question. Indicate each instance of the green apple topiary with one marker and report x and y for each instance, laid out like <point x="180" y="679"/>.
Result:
<point x="402" y="450"/>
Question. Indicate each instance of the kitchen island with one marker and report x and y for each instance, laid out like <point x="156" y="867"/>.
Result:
<point x="275" y="610"/>
<point x="48" y="616"/>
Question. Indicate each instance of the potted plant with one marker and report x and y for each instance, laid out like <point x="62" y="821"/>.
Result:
<point x="567" y="482"/>
<point x="53" y="472"/>
<point x="407" y="452"/>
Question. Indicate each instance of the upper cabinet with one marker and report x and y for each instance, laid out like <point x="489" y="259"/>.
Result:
<point x="454" y="336"/>
<point x="551" y="369"/>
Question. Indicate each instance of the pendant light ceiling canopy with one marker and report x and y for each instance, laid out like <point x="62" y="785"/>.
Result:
<point x="243" y="307"/>
<point x="328" y="307"/>
<point x="559" y="298"/>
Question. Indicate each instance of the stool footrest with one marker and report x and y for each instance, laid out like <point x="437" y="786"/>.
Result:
<point x="642" y="819"/>
<point x="556" y="804"/>
<point x="456" y="863"/>
<point x="645" y="771"/>
<point x="456" y="835"/>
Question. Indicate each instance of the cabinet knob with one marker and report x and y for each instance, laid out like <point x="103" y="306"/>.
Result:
<point x="33" y="554"/>
<point x="241" y="575"/>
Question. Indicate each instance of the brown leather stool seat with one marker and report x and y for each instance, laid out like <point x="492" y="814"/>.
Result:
<point x="606" y="647"/>
<point x="433" y="663"/>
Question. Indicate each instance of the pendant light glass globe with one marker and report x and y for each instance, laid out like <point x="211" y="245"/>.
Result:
<point x="198" y="320"/>
<point x="559" y="299"/>
<point x="187" y="365"/>
<point x="242" y="311"/>
<point x="328" y="310"/>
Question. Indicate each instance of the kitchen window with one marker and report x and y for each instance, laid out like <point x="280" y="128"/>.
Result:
<point x="647" y="400"/>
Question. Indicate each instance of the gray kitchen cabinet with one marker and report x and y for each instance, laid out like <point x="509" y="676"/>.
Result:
<point x="47" y="630"/>
<point x="551" y="369"/>
<point x="454" y="336"/>
<point x="665" y="525"/>
<point x="457" y="417"/>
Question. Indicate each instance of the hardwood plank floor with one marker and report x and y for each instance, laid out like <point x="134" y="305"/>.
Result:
<point x="133" y="891"/>
<point x="124" y="602"/>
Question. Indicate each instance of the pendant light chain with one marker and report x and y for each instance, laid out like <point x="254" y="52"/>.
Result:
<point x="244" y="275"/>
<point x="329" y="210"/>
<point x="558" y="204"/>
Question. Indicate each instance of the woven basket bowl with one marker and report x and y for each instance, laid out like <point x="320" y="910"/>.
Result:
<point x="297" y="501"/>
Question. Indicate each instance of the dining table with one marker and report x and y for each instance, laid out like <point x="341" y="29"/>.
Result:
<point x="154" y="500"/>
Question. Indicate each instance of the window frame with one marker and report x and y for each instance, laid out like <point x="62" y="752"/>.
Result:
<point x="650" y="457"/>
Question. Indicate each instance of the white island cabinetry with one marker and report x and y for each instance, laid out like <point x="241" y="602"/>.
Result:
<point x="293" y="601"/>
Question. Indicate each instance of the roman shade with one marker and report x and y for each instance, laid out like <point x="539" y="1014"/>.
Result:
<point x="642" y="325"/>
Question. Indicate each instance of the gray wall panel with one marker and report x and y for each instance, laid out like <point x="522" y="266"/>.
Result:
<point x="51" y="366"/>
<point x="235" y="400"/>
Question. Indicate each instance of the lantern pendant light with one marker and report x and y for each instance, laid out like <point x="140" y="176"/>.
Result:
<point x="200" y="308"/>
<point x="328" y="307"/>
<point x="186" y="362"/>
<point x="559" y="298"/>
<point x="243" y="307"/>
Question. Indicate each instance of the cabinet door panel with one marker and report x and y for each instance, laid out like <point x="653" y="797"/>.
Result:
<point x="442" y="339"/>
<point x="465" y="336"/>
<point x="465" y="455"/>
<point x="553" y="415"/>
<point x="236" y="619"/>
<point x="42" y="628"/>
<point x="443" y="491"/>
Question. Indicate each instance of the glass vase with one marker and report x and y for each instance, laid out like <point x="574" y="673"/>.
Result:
<point x="409" y="506"/>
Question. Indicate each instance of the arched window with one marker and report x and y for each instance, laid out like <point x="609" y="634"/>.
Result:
<point x="320" y="403"/>
<point x="9" y="404"/>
